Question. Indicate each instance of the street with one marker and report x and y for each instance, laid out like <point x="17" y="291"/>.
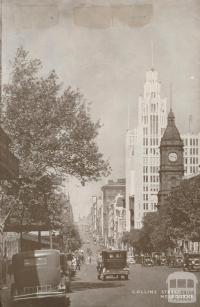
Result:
<point x="88" y="291"/>
<point x="145" y="288"/>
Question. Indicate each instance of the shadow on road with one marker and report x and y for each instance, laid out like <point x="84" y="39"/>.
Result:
<point x="81" y="286"/>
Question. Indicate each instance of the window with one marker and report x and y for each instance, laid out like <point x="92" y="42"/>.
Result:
<point x="35" y="261"/>
<point x="190" y="283"/>
<point x="172" y="283"/>
<point x="181" y="283"/>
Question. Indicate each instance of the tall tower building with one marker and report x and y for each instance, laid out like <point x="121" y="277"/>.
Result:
<point x="171" y="159"/>
<point x="145" y="149"/>
<point x="143" y="154"/>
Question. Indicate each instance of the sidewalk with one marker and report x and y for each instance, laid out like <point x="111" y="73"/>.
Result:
<point x="5" y="293"/>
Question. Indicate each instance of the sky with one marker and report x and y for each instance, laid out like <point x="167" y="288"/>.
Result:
<point x="104" y="48"/>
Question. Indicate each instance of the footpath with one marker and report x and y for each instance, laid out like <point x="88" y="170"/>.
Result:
<point x="5" y="293"/>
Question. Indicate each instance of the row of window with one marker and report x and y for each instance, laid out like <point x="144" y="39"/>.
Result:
<point x="150" y="178"/>
<point x="192" y="160"/>
<point x="145" y="129"/>
<point x="192" y="169"/>
<point x="150" y="151"/>
<point x="151" y="169"/>
<point x="151" y="141"/>
<point x="152" y="207"/>
<point x="193" y="151"/>
<point x="153" y="188"/>
<point x="191" y="142"/>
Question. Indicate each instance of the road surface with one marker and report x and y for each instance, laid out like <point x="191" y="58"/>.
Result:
<point x="146" y="287"/>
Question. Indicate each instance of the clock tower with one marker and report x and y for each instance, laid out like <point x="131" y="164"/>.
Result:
<point x="171" y="159"/>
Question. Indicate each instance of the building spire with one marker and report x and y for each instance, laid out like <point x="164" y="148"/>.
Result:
<point x="190" y="123"/>
<point x="171" y="101"/>
<point x="152" y="55"/>
<point x="128" y="117"/>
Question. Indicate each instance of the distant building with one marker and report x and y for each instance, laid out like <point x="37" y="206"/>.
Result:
<point x="109" y="193"/>
<point x="116" y="221"/>
<point x="191" y="153"/>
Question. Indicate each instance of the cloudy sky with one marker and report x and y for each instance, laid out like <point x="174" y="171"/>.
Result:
<point x="104" y="49"/>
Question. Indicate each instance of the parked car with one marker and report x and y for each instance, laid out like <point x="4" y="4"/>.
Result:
<point x="131" y="260"/>
<point x="191" y="262"/>
<point x="38" y="278"/>
<point x="113" y="264"/>
<point x="175" y="261"/>
<point x="159" y="258"/>
<point x="147" y="261"/>
<point x="163" y="260"/>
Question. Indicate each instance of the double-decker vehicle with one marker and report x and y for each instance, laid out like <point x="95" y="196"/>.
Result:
<point x="113" y="264"/>
<point x="191" y="262"/>
<point x="38" y="279"/>
<point x="175" y="261"/>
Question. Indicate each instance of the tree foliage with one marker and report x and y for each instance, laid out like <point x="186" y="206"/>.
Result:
<point x="178" y="219"/>
<point x="51" y="130"/>
<point x="52" y="134"/>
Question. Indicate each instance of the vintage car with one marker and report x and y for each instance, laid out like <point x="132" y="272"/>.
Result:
<point x="147" y="261"/>
<point x="159" y="258"/>
<point x="113" y="264"/>
<point x="191" y="262"/>
<point x="163" y="260"/>
<point x="131" y="260"/>
<point x="175" y="261"/>
<point x="38" y="279"/>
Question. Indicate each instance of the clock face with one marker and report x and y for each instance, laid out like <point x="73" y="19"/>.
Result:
<point x="172" y="156"/>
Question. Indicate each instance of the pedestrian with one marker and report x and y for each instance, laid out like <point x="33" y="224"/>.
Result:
<point x="4" y="269"/>
<point x="10" y="272"/>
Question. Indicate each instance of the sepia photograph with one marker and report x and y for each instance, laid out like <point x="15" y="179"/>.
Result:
<point x="99" y="153"/>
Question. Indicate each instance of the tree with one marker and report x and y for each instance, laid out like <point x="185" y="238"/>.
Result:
<point x="178" y="219"/>
<point x="182" y="210"/>
<point x="132" y="238"/>
<point x="51" y="130"/>
<point x="52" y="133"/>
